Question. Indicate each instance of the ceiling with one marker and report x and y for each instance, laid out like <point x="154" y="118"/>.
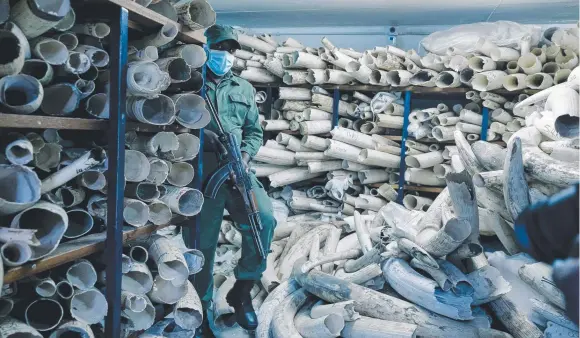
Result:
<point x="316" y="13"/>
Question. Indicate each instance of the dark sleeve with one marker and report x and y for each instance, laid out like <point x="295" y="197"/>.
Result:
<point x="547" y="229"/>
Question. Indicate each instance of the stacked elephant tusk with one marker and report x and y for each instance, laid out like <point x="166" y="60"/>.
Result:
<point x="327" y="271"/>
<point x="54" y="182"/>
<point x="489" y="62"/>
<point x="346" y="259"/>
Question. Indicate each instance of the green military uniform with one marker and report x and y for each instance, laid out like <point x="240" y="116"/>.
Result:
<point x="233" y="98"/>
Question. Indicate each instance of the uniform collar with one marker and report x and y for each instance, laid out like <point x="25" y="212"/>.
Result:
<point x="229" y="76"/>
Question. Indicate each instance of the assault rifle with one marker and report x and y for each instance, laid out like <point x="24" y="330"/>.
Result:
<point x="234" y="170"/>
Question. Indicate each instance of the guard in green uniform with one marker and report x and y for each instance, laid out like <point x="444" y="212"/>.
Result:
<point x="233" y="98"/>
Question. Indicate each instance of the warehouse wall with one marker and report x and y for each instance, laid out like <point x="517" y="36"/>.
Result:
<point x="360" y="37"/>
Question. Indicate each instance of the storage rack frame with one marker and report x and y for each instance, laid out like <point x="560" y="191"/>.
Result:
<point x="122" y="16"/>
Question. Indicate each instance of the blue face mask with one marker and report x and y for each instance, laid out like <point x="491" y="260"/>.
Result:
<point x="220" y="62"/>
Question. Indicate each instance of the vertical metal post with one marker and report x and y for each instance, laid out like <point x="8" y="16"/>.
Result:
<point x="484" y="123"/>
<point x="335" y="102"/>
<point x="268" y="103"/>
<point x="116" y="170"/>
<point x="402" y="166"/>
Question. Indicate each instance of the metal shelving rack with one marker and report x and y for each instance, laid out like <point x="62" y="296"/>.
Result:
<point x="122" y="15"/>
<point x="408" y="93"/>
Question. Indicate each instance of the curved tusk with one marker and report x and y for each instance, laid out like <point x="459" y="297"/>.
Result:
<point x="139" y="320"/>
<point x="515" y="188"/>
<point x="464" y="201"/>
<point x="382" y="306"/>
<point x="460" y="284"/>
<point x="438" y="276"/>
<point x="417" y="252"/>
<point x="327" y="326"/>
<point x="488" y="284"/>
<point x="188" y="312"/>
<point x="489" y="199"/>
<point x="330" y="248"/>
<point x="362" y="233"/>
<point x="282" y="324"/>
<point x="362" y="276"/>
<point x="425" y="292"/>
<point x="552" y="314"/>
<point x="490" y="156"/>
<point x="272" y="302"/>
<point x="345" y="309"/>
<point x="539" y="277"/>
<point x="375" y="328"/>
<point x="300" y="249"/>
<point x="500" y="228"/>
<point x="370" y="257"/>
<point x="467" y="155"/>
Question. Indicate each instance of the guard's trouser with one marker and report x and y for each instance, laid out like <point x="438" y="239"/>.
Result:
<point x="250" y="266"/>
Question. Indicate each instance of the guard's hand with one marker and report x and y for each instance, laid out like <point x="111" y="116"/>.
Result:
<point x="246" y="160"/>
<point x="211" y="141"/>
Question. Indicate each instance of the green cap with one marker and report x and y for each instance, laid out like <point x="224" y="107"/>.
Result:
<point x="219" y="33"/>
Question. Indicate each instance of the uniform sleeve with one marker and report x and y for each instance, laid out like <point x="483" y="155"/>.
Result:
<point x="252" y="132"/>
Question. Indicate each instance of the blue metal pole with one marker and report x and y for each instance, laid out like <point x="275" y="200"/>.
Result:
<point x="402" y="165"/>
<point x="268" y="103"/>
<point x="484" y="123"/>
<point x="335" y="102"/>
<point x="116" y="170"/>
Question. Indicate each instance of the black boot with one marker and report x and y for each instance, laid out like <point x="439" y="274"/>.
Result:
<point x="204" y="331"/>
<point x="239" y="298"/>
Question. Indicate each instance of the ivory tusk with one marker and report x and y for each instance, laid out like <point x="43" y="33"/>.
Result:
<point x="345" y="309"/>
<point x="438" y="275"/>
<point x="135" y="212"/>
<point x="166" y="292"/>
<point x="415" y="251"/>
<point x="149" y="53"/>
<point x="404" y="279"/>
<point x="64" y="289"/>
<point x="445" y="240"/>
<point x="187" y="311"/>
<point x="300" y="249"/>
<point x="80" y="223"/>
<point x="488" y="284"/>
<point x="368" y="303"/>
<point x="88" y="306"/>
<point x="14" y="62"/>
<point x="45" y="287"/>
<point x="267" y="310"/>
<point x="424" y="78"/>
<point x="327" y="326"/>
<point x="139" y="254"/>
<point x="82" y="275"/>
<point x="375" y="328"/>
<point x="11" y="327"/>
<point x="137" y="280"/>
<point x="156" y="111"/>
<point x="138" y="310"/>
<point x="73" y="327"/>
<point x="552" y="314"/>
<point x="170" y="261"/>
<point x="15" y="253"/>
<point x="44" y="314"/>
<point x="166" y="34"/>
<point x="539" y="277"/>
<point x="515" y="187"/>
<point x="21" y="94"/>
